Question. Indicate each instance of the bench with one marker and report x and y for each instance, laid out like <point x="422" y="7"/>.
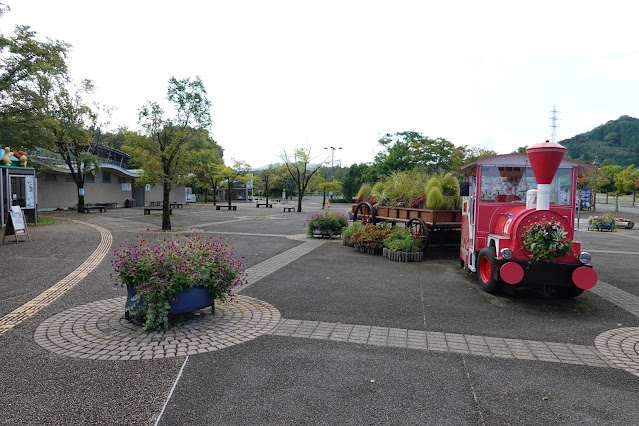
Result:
<point x="155" y="203"/>
<point x="176" y="205"/>
<point x="226" y="207"/>
<point x="289" y="209"/>
<point x="87" y="209"/>
<point x="147" y="210"/>
<point x="267" y="205"/>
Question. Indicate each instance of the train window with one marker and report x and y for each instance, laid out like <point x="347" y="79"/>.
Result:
<point x="510" y="184"/>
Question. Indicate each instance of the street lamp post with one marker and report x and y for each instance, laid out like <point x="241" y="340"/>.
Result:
<point x="594" y="200"/>
<point x="332" y="148"/>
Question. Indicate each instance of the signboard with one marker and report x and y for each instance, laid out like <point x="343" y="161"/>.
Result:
<point x="29" y="183"/>
<point x="147" y="187"/>
<point x="126" y="187"/>
<point x="81" y="191"/>
<point x="16" y="224"/>
<point x="585" y="197"/>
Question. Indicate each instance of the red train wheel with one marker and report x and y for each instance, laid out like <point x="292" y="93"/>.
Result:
<point x="486" y="271"/>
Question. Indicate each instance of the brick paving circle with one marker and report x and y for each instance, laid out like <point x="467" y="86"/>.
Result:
<point x="621" y="348"/>
<point x="99" y="331"/>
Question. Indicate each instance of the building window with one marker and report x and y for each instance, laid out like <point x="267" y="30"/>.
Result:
<point x="106" y="177"/>
<point x="121" y="179"/>
<point x="50" y="177"/>
<point x="89" y="178"/>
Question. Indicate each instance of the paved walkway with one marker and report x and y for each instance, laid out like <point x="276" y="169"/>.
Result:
<point x="98" y="330"/>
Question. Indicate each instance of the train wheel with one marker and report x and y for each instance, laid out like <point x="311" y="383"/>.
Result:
<point x="486" y="271"/>
<point x="568" y="292"/>
<point x="418" y="228"/>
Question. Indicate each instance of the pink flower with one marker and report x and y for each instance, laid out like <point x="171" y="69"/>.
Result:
<point x="553" y="249"/>
<point x="561" y="240"/>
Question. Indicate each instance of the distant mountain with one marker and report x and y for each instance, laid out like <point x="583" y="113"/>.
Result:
<point x="617" y="139"/>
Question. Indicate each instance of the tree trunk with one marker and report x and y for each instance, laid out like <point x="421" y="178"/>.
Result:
<point x="634" y="196"/>
<point x="617" y="203"/>
<point x="166" y="218"/>
<point x="229" y="195"/>
<point x="606" y="197"/>
<point x="206" y="195"/>
<point x="323" y="199"/>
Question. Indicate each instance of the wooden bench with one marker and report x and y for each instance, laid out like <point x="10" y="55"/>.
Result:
<point x="176" y="205"/>
<point x="289" y="209"/>
<point x="226" y="207"/>
<point x="267" y="205"/>
<point x="155" y="203"/>
<point x="147" y="210"/>
<point x="87" y="209"/>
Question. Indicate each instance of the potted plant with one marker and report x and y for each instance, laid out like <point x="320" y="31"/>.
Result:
<point x="347" y="232"/>
<point x="403" y="246"/>
<point x="175" y="276"/>
<point x="607" y="221"/>
<point x="546" y="240"/>
<point x="325" y="224"/>
<point x="370" y="238"/>
<point x="624" y="223"/>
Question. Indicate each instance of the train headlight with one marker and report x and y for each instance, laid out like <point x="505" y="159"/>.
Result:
<point x="506" y="253"/>
<point x="584" y="257"/>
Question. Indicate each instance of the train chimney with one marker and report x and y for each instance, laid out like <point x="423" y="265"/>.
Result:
<point x="545" y="159"/>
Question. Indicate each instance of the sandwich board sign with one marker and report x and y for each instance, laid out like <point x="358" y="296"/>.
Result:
<point x="16" y="225"/>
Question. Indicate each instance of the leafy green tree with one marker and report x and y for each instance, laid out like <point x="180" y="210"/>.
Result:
<point x="240" y="171"/>
<point x="625" y="182"/>
<point x="206" y="163"/>
<point x="352" y="179"/>
<point x="267" y="178"/>
<point x="31" y="71"/>
<point x="300" y="170"/>
<point x="409" y="149"/>
<point x="162" y="152"/>
<point x="606" y="180"/>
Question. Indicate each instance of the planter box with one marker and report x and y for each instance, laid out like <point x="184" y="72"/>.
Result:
<point x="188" y="300"/>
<point x="401" y="256"/>
<point x="405" y="213"/>
<point x="625" y="225"/>
<point x="367" y="250"/>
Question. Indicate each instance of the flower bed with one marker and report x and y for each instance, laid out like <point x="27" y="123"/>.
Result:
<point x="370" y="238"/>
<point x="608" y="221"/>
<point x="159" y="271"/>
<point x="326" y="224"/>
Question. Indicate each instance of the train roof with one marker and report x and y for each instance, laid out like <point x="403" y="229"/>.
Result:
<point x="520" y="160"/>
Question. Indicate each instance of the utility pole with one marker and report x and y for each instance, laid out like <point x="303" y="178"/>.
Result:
<point x="332" y="148"/>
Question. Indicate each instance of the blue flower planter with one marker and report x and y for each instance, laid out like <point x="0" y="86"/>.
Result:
<point x="188" y="300"/>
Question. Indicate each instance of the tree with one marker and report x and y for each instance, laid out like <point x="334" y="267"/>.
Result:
<point x="267" y="178"/>
<point x="239" y="171"/>
<point x="352" y="179"/>
<point x="31" y="69"/>
<point x="300" y="170"/>
<point x="207" y="166"/>
<point x="409" y="149"/>
<point x="606" y="181"/>
<point x="625" y="182"/>
<point x="162" y="152"/>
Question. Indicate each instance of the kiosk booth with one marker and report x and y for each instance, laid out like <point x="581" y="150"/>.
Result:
<point x="18" y="187"/>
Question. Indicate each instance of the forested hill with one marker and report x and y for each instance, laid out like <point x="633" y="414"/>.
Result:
<point x="617" y="139"/>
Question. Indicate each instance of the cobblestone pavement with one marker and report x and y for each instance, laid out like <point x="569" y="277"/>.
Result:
<point x="99" y="331"/>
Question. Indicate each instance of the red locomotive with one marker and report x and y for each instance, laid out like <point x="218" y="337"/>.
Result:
<point x="504" y="197"/>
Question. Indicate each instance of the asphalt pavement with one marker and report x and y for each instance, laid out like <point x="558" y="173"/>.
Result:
<point x="321" y="334"/>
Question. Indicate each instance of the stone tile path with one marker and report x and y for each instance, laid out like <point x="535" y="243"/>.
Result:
<point x="99" y="331"/>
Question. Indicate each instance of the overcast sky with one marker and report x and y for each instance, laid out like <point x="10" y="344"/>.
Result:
<point x="285" y="74"/>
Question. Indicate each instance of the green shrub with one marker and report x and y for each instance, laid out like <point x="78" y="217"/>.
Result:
<point x="433" y="183"/>
<point x="403" y="240"/>
<point x="347" y="231"/>
<point x="379" y="193"/>
<point x="435" y="199"/>
<point x="607" y="219"/>
<point x="364" y="191"/>
<point x="450" y="185"/>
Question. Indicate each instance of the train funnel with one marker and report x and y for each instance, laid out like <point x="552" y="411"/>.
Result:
<point x="545" y="159"/>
